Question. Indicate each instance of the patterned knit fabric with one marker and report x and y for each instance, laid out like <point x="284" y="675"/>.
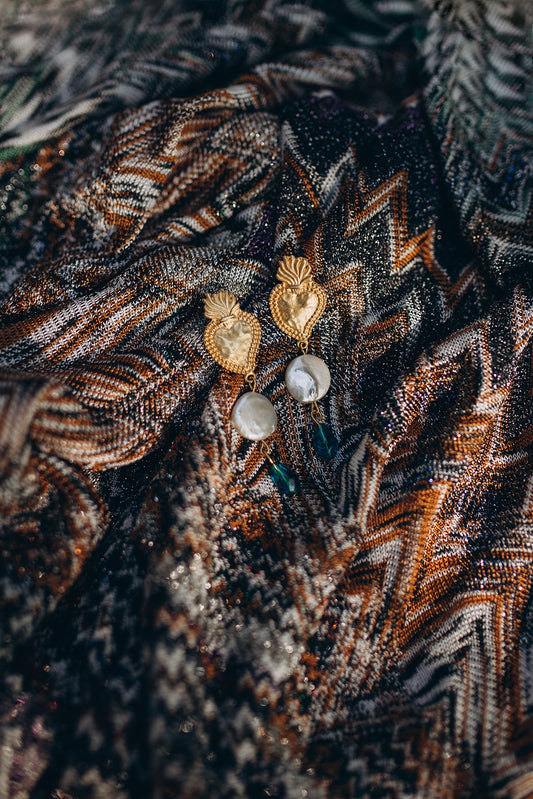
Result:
<point x="173" y="625"/>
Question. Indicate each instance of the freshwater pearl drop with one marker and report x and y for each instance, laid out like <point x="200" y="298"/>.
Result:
<point x="253" y="416"/>
<point x="307" y="378"/>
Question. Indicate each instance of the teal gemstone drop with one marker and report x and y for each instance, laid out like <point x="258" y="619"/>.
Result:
<point x="325" y="442"/>
<point x="284" y="478"/>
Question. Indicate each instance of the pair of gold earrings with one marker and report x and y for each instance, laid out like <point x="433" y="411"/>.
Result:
<point x="232" y="337"/>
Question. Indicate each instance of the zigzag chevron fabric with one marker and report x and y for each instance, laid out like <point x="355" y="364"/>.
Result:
<point x="173" y="623"/>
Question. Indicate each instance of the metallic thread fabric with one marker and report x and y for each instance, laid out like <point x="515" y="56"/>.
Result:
<point x="172" y="624"/>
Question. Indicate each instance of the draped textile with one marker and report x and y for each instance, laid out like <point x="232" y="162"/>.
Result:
<point x="172" y="623"/>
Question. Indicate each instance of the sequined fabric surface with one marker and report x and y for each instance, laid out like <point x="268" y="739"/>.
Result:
<point x="174" y="624"/>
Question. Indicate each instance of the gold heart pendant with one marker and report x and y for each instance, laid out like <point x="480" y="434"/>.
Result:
<point x="298" y="302"/>
<point x="232" y="336"/>
<point x="297" y="308"/>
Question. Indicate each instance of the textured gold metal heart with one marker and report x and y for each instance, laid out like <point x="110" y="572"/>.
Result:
<point x="298" y="308"/>
<point x="233" y="341"/>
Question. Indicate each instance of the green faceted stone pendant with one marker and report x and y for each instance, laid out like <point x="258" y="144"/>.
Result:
<point x="284" y="478"/>
<point x="324" y="441"/>
<point x="323" y="436"/>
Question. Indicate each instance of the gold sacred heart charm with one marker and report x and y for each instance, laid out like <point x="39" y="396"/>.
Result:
<point x="298" y="302"/>
<point x="232" y="336"/>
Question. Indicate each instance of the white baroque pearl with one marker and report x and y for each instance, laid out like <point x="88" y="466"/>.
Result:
<point x="254" y="417"/>
<point x="307" y="378"/>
